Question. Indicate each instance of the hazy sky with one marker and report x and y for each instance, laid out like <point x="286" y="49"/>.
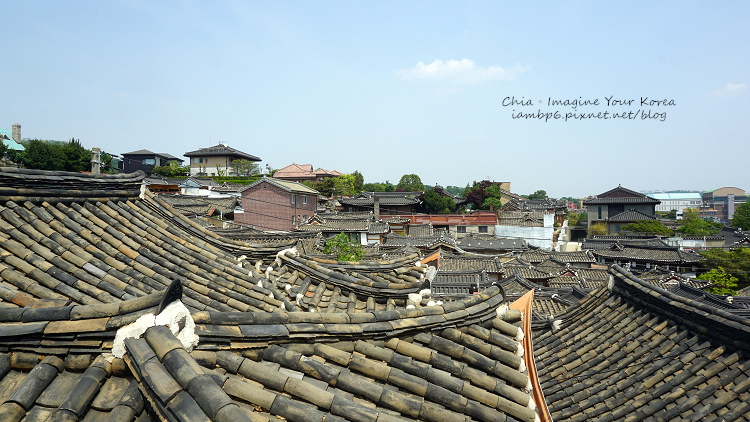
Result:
<point x="390" y="88"/>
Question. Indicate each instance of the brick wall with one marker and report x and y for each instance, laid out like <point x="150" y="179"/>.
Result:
<point x="268" y="207"/>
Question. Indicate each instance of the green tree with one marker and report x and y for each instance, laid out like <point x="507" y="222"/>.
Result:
<point x="723" y="282"/>
<point x="245" y="168"/>
<point x="577" y="218"/>
<point x="410" y="183"/>
<point x="53" y="155"/>
<point x="172" y="169"/>
<point x="435" y="203"/>
<point x="455" y="190"/>
<point x="3" y="149"/>
<point x="344" y="249"/>
<point x="741" y="216"/>
<point x="648" y="226"/>
<point x="359" y="181"/>
<point x="378" y="187"/>
<point x="736" y="262"/>
<point x="598" y="228"/>
<point x="540" y="194"/>
<point x="477" y="195"/>
<point x="693" y="224"/>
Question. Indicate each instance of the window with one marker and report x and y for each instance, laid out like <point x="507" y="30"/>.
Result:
<point x="149" y="161"/>
<point x="304" y="199"/>
<point x="460" y="229"/>
<point x="292" y="198"/>
<point x="600" y="212"/>
<point x="293" y="219"/>
<point x="304" y="217"/>
<point x="196" y="160"/>
<point x="482" y="229"/>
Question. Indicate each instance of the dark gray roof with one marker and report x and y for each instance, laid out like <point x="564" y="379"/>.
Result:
<point x="477" y="243"/>
<point x="648" y="353"/>
<point x="606" y="242"/>
<point x="630" y="216"/>
<point x="384" y="198"/>
<point x="656" y="255"/>
<point x="221" y="150"/>
<point x="620" y="195"/>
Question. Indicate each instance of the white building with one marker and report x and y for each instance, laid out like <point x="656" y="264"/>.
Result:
<point x="677" y="201"/>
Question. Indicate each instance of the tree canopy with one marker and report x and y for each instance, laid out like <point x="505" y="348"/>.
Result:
<point x="410" y="183"/>
<point x="245" y="168"/>
<point x="344" y="249"/>
<point x="343" y="185"/>
<point x="648" y="226"/>
<point x="693" y="224"/>
<point x="437" y="203"/>
<point x="482" y="195"/>
<point x="53" y="155"/>
<point x="540" y="194"/>
<point x="741" y="218"/>
<point x="173" y="169"/>
<point x="723" y="282"/>
<point x="736" y="262"/>
<point x="379" y="187"/>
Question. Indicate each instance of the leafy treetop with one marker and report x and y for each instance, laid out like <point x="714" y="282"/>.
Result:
<point x="410" y="183"/>
<point x="741" y="218"/>
<point x="648" y="226"/>
<point x="693" y="224"/>
<point x="343" y="248"/>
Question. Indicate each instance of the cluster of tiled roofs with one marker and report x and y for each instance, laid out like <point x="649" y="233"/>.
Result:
<point x="633" y="351"/>
<point x="260" y="331"/>
<point x="75" y="273"/>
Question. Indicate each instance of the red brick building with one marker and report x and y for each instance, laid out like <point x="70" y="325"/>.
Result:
<point x="272" y="204"/>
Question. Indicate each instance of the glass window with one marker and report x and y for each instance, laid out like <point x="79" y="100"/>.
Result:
<point x="196" y="160"/>
<point x="149" y="161"/>
<point x="304" y="199"/>
<point x="460" y="229"/>
<point x="292" y="199"/>
<point x="482" y="229"/>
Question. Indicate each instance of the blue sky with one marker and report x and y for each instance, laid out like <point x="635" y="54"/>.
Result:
<point x="390" y="88"/>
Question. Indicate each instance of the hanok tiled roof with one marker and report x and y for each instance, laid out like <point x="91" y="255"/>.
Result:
<point x="75" y="272"/>
<point x="537" y="255"/>
<point x="38" y="186"/>
<point x="385" y="365"/>
<point x="221" y="150"/>
<point x="659" y="256"/>
<point x="475" y="242"/>
<point x="458" y="283"/>
<point x="636" y="352"/>
<point x="384" y="198"/>
<point x="726" y="303"/>
<point x="620" y="195"/>
<point x="393" y="240"/>
<point x="521" y="219"/>
<point x="547" y="303"/>
<point x="418" y="230"/>
<point x="630" y="216"/>
<point x="201" y="205"/>
<point x="606" y="242"/>
<point x="463" y="263"/>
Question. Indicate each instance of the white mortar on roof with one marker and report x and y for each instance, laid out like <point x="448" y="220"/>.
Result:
<point x="175" y="316"/>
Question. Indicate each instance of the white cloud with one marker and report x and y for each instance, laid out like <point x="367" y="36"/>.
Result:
<point x="731" y="88"/>
<point x="465" y="71"/>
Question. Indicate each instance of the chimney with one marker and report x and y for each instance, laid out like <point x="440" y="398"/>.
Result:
<point x="16" y="130"/>
<point x="376" y="205"/>
<point x="95" y="160"/>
